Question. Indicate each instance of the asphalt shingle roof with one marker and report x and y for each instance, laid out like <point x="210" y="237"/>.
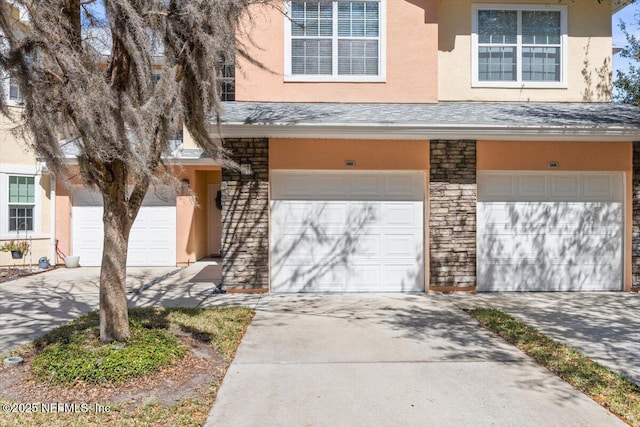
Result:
<point x="565" y="115"/>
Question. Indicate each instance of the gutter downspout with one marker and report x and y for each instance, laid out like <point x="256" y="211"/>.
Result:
<point x="53" y="260"/>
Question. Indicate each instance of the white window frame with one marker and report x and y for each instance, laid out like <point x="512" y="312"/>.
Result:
<point x="7" y="170"/>
<point x="335" y="77"/>
<point x="13" y="82"/>
<point x="519" y="83"/>
<point x="7" y="92"/>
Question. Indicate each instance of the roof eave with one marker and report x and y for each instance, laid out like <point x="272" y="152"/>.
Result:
<point x="208" y="161"/>
<point x="617" y="5"/>
<point x="428" y="132"/>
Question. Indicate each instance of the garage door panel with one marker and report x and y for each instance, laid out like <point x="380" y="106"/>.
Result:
<point x="366" y="186"/>
<point x="405" y="276"/>
<point x="399" y="245"/>
<point x="495" y="187"/>
<point x="497" y="230"/>
<point x="408" y="186"/>
<point x="291" y="213"/>
<point x="291" y="245"/>
<point x="522" y="260"/>
<point x="363" y="276"/>
<point x="511" y="244"/>
<point x="558" y="186"/>
<point x="331" y="187"/>
<point x="286" y="186"/>
<point x="152" y="239"/>
<point x="398" y="214"/>
<point x="552" y="249"/>
<point x="519" y="217"/>
<point x="564" y="187"/>
<point x="534" y="277"/>
<point x="365" y="214"/>
<point x="531" y="186"/>
<point x="331" y="213"/>
<point x="601" y="187"/>
<point x="369" y="246"/>
<point x="301" y="278"/>
<point x="510" y="212"/>
<point x="345" y="244"/>
<point x="569" y="238"/>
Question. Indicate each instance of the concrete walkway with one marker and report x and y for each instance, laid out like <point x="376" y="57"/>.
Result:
<point x="387" y="360"/>
<point x="365" y="359"/>
<point x="602" y="325"/>
<point x="33" y="305"/>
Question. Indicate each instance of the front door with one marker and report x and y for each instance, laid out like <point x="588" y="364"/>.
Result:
<point x="215" y="220"/>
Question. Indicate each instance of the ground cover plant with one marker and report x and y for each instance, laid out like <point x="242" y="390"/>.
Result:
<point x="167" y="374"/>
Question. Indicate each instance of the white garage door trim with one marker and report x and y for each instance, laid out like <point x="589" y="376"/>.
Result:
<point x="152" y="240"/>
<point x="311" y="249"/>
<point x="550" y="231"/>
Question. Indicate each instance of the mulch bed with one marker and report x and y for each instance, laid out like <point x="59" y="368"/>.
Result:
<point x="10" y="273"/>
<point x="190" y="377"/>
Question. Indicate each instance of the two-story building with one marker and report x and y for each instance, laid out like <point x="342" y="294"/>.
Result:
<point x="407" y="146"/>
<point x="430" y="145"/>
<point x="25" y="188"/>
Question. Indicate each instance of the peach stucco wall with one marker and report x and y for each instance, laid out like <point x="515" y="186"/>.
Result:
<point x="191" y="214"/>
<point x="332" y="153"/>
<point x="63" y="219"/>
<point x="571" y="156"/>
<point x="411" y="66"/>
<point x="589" y="55"/>
<point x="63" y="210"/>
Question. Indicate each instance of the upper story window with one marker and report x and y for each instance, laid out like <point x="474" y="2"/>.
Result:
<point x="519" y="46"/>
<point x="228" y="80"/>
<point x="15" y="95"/>
<point x="335" y="41"/>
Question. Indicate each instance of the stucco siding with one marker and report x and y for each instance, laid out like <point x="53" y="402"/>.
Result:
<point x="411" y="60"/>
<point x="589" y="55"/>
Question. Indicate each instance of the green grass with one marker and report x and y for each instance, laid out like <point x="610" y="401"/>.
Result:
<point x="221" y="328"/>
<point x="609" y="389"/>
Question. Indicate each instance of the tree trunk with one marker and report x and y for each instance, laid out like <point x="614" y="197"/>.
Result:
<point x="114" y="318"/>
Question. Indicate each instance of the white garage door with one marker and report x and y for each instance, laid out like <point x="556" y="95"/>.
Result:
<point x="347" y="231"/>
<point x="550" y="231"/>
<point x="152" y="241"/>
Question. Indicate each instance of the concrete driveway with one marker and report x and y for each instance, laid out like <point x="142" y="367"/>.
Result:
<point x="602" y="325"/>
<point x="387" y="360"/>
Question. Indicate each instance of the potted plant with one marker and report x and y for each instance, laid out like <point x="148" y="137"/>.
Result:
<point x="18" y="248"/>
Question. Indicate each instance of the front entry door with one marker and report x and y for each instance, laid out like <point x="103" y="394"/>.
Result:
<point x="215" y="221"/>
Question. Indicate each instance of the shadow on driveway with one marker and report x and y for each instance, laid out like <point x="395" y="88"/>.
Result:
<point x="604" y="326"/>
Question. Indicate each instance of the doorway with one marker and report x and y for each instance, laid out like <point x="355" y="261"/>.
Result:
<point x="215" y="220"/>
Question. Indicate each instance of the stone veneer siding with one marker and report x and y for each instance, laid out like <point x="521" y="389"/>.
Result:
<point x="245" y="219"/>
<point x="452" y="214"/>
<point x="635" y="253"/>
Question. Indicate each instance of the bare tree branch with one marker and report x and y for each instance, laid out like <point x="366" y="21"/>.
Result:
<point x="92" y="78"/>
